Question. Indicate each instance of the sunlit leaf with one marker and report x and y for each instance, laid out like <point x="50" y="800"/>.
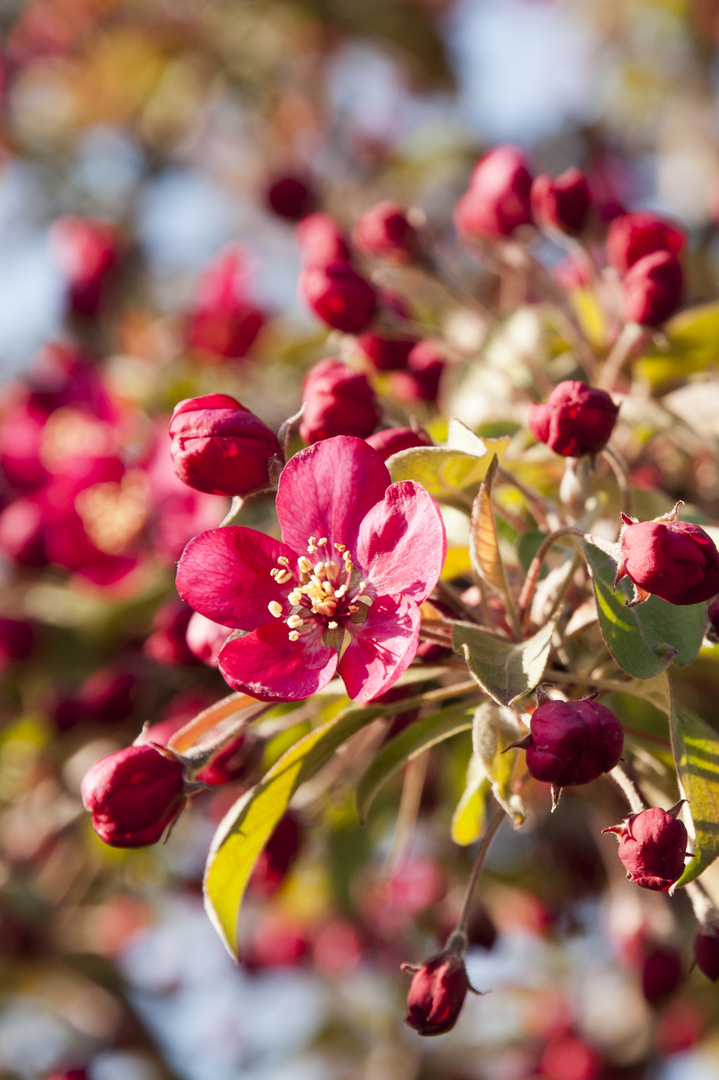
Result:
<point x="691" y="346"/>
<point x="246" y="828"/>
<point x="468" y="817"/>
<point x="483" y="542"/>
<point x="696" y="752"/>
<point x="413" y="740"/>
<point x="495" y="729"/>
<point x="461" y="463"/>
<point x="504" y="669"/>
<point x="644" y="639"/>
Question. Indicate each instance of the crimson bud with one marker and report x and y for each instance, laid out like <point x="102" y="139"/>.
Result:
<point x="706" y="951"/>
<point x="385" y="232"/>
<point x="574" y="420"/>
<point x="437" y="992"/>
<point x="653" y="289"/>
<point x="87" y="250"/>
<point x="675" y="560"/>
<point x="392" y="440"/>
<point x="338" y="295"/>
<point x="133" y="795"/>
<point x="498" y="199"/>
<point x="572" y="742"/>
<point x="223" y="321"/>
<point x="337" y="401"/>
<point x="220" y="447"/>
<point x="420" y="381"/>
<point x="661" y="973"/>
<point x="633" y="236"/>
<point x="563" y="202"/>
<point x="321" y="240"/>
<point x="652" y="847"/>
<point x="290" y="197"/>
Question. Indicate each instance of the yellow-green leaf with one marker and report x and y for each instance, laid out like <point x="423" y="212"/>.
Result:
<point x="461" y="463"/>
<point x="696" y="753"/>
<point x="504" y="669"/>
<point x="247" y="827"/>
<point x="691" y="346"/>
<point x="468" y="818"/>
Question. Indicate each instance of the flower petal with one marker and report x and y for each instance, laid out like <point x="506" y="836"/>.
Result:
<point x="225" y="575"/>
<point x="327" y="489"/>
<point x="381" y="648"/>
<point x="270" y="667"/>
<point x="402" y="542"/>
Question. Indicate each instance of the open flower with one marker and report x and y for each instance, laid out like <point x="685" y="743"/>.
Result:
<point x="358" y="555"/>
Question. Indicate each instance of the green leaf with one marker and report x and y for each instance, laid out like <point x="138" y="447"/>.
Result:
<point x="483" y="543"/>
<point x="494" y="730"/>
<point x="461" y="463"/>
<point x="247" y="827"/>
<point x="505" y="670"/>
<point x="644" y="640"/>
<point x="696" y="754"/>
<point x="691" y="337"/>
<point x="468" y="818"/>
<point x="409" y="743"/>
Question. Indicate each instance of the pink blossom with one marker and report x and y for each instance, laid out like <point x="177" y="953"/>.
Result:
<point x="341" y="589"/>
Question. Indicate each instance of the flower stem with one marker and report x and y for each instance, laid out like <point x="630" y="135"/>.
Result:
<point x="628" y="789"/>
<point x="630" y="335"/>
<point x="536" y="565"/>
<point x="704" y="910"/>
<point x="619" y="469"/>
<point x="492" y="827"/>
<point x="414" y="777"/>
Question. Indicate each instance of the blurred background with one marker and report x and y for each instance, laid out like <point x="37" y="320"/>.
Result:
<point x="169" y="124"/>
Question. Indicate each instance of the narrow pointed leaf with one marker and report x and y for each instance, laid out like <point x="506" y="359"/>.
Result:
<point x="505" y="670"/>
<point x="495" y="729"/>
<point x="246" y="828"/>
<point x="409" y="743"/>
<point x="483" y="542"/>
<point x="646" y="639"/>
<point x="696" y="754"/>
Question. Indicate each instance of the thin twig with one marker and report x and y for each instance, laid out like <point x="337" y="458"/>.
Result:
<point x="628" y="789"/>
<point x="492" y="827"/>
<point x="619" y="469"/>
<point x="536" y="565"/>
<point x="630" y="335"/>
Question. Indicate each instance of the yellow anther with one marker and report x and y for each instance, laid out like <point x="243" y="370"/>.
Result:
<point x="304" y="564"/>
<point x="294" y="621"/>
<point x="353" y="608"/>
<point x="294" y="636"/>
<point x="339" y="547"/>
<point x="283" y="576"/>
<point x="311" y="545"/>
<point x="332" y="625"/>
<point x="322" y="541"/>
<point x="275" y="608"/>
<point x="274" y="572"/>
<point x="327" y="587"/>
<point x="295" y="597"/>
<point x="283" y="560"/>
<point x="339" y="593"/>
<point x="319" y="569"/>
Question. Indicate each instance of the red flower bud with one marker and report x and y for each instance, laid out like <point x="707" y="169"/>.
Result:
<point x="291" y="197"/>
<point x="675" y="560"/>
<point x="653" y="289"/>
<point x="706" y="951"/>
<point x="133" y="795"/>
<point x="338" y="295"/>
<point x="220" y="447"/>
<point x="392" y="440"/>
<point x="167" y="644"/>
<point x="563" y="202"/>
<point x="322" y="241"/>
<point x="421" y="379"/>
<point x="661" y="973"/>
<point x="498" y="199"/>
<point x="223" y="322"/>
<point x="437" y="993"/>
<point x="633" y="236"/>
<point x="385" y="232"/>
<point x="337" y="402"/>
<point x="652" y="846"/>
<point x="574" y="420"/>
<point x="572" y="742"/>
<point x="87" y="250"/>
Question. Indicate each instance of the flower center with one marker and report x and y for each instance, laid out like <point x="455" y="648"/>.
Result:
<point x="326" y="589"/>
